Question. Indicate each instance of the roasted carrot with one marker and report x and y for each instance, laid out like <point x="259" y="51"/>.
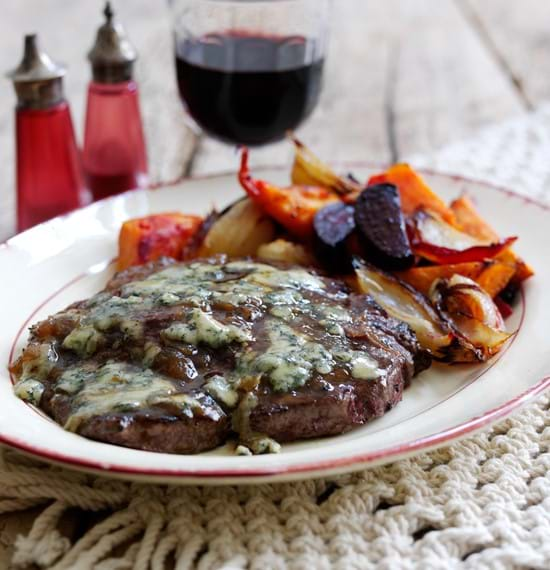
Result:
<point x="293" y="207"/>
<point x="146" y="239"/>
<point x="472" y="223"/>
<point x="414" y="192"/>
<point x="421" y="278"/>
<point x="496" y="276"/>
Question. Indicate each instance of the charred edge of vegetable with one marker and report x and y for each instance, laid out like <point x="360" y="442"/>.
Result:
<point x="358" y="263"/>
<point x="231" y="205"/>
<point x="191" y="248"/>
<point x="463" y="350"/>
<point x="345" y="186"/>
<point x="444" y="353"/>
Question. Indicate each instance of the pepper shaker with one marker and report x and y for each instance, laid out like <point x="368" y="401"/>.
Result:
<point x="114" y="155"/>
<point x="49" y="175"/>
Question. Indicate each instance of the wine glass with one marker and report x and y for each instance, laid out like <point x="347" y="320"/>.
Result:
<point x="249" y="71"/>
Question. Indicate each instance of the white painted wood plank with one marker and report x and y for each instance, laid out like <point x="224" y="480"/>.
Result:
<point x="519" y="35"/>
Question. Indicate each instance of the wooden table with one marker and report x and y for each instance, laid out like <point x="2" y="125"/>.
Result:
<point x="402" y="77"/>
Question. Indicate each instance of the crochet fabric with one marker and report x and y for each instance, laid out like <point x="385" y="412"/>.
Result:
<point x="481" y="503"/>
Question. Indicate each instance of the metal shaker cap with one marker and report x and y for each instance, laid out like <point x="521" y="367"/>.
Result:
<point x="112" y="56"/>
<point x="38" y="80"/>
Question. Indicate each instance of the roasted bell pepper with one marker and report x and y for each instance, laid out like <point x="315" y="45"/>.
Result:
<point x="293" y="207"/>
<point x="445" y="255"/>
<point x="439" y="242"/>
<point x="415" y="193"/>
<point x="159" y="235"/>
<point x="473" y="224"/>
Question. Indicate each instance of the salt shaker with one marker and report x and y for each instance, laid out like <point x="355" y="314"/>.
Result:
<point x="114" y="155"/>
<point x="49" y="175"/>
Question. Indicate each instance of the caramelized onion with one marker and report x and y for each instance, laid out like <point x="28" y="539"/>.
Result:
<point x="406" y="304"/>
<point x="473" y="316"/>
<point x="311" y="171"/>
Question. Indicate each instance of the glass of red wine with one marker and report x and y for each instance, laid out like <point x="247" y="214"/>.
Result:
<point x="249" y="71"/>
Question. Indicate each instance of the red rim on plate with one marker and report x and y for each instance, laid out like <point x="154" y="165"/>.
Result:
<point x="420" y="444"/>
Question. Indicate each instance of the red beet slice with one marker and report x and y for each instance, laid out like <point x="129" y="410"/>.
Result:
<point x="333" y="225"/>
<point x="381" y="227"/>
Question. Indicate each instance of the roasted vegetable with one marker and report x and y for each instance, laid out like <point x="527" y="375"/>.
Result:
<point x="437" y="241"/>
<point x="333" y="226"/>
<point x="293" y="207"/>
<point x="240" y="231"/>
<point x="287" y="251"/>
<point x="381" y="227"/>
<point x="415" y="193"/>
<point x="159" y="235"/>
<point x="474" y="317"/>
<point x="406" y="304"/>
<point x="497" y="274"/>
<point x="472" y="223"/>
<point x="421" y="278"/>
<point x="310" y="171"/>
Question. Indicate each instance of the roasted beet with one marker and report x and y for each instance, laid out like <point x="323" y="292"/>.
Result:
<point x="333" y="225"/>
<point x="381" y="227"/>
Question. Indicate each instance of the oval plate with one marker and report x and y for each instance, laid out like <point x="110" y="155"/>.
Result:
<point x="70" y="258"/>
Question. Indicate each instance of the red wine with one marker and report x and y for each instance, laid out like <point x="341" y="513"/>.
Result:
<point x="248" y="89"/>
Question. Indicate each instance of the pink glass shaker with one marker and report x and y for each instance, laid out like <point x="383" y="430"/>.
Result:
<point x="114" y="155"/>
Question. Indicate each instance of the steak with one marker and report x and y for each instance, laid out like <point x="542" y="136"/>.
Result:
<point x="181" y="357"/>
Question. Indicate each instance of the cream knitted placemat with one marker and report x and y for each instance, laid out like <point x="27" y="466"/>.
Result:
<point x="481" y="503"/>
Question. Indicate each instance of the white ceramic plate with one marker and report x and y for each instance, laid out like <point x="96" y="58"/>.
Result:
<point x="69" y="258"/>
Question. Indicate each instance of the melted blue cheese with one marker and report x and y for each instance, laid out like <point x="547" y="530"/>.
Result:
<point x="29" y="386"/>
<point x="83" y="340"/>
<point x="289" y="360"/>
<point x="117" y="387"/>
<point x="30" y="390"/>
<point x="202" y="327"/>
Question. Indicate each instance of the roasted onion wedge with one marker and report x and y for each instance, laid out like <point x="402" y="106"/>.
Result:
<point x="286" y="251"/>
<point x="473" y="316"/>
<point x="240" y="231"/>
<point x="406" y="304"/>
<point x="311" y="171"/>
<point x="437" y="241"/>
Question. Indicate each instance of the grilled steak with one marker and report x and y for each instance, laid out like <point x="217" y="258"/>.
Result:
<point x="179" y="357"/>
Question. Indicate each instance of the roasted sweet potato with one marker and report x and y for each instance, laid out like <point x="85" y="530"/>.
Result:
<point x="472" y="223"/>
<point x="421" y="278"/>
<point x="494" y="278"/>
<point x="414" y="192"/>
<point x="293" y="207"/>
<point x="159" y="235"/>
